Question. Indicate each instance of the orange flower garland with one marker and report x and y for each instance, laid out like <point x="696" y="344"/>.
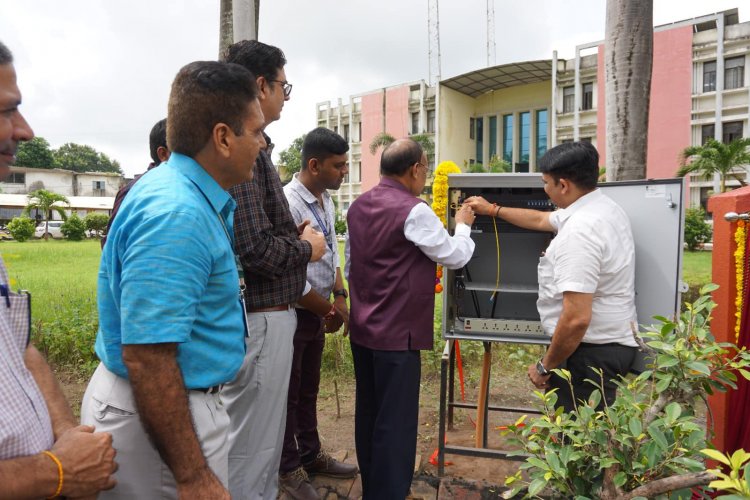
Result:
<point x="440" y="204"/>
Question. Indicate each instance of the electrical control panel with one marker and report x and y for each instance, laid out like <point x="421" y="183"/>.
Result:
<point x="494" y="296"/>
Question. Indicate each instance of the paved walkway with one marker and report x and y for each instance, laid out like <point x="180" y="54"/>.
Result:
<point x="423" y="487"/>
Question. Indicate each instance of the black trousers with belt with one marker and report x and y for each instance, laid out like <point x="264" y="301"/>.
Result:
<point x="613" y="359"/>
<point x="386" y="420"/>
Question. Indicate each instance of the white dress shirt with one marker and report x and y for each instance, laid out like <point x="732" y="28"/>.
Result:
<point x="594" y="253"/>
<point x="423" y="228"/>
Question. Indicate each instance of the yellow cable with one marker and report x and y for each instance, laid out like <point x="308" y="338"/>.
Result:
<point x="497" y="246"/>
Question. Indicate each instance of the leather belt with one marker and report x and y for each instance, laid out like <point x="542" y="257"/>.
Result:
<point x="282" y="307"/>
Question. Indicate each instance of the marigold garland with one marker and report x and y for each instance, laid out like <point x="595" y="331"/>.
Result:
<point x="440" y="204"/>
<point x="740" y="239"/>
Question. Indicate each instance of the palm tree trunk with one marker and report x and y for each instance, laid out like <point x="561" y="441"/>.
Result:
<point x="226" y="28"/>
<point x="628" y="50"/>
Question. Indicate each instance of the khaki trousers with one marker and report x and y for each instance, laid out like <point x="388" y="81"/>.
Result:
<point x="109" y="406"/>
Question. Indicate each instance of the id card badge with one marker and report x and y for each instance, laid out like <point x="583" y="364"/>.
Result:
<point x="244" y="310"/>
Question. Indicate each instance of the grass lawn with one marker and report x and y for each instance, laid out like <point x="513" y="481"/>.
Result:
<point x="696" y="267"/>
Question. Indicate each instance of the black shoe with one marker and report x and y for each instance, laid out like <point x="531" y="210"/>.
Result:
<point x="325" y="465"/>
<point x="297" y="485"/>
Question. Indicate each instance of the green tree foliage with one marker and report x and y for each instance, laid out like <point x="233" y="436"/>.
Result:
<point x="697" y="230"/>
<point x="291" y="157"/>
<point x="21" y="228"/>
<point x="73" y="229"/>
<point x="496" y="166"/>
<point x="383" y="139"/>
<point x="425" y="140"/>
<point x="96" y="223"/>
<point x="46" y="201"/>
<point x="648" y="441"/>
<point x="82" y="158"/>
<point x="716" y="157"/>
<point x="35" y="153"/>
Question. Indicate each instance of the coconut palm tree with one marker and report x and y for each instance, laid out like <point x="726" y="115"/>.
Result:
<point x="238" y="20"/>
<point x="383" y="139"/>
<point x="628" y="47"/>
<point x="716" y="157"/>
<point x="46" y="201"/>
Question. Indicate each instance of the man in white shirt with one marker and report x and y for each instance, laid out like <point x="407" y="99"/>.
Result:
<point x="586" y="276"/>
<point x="395" y="239"/>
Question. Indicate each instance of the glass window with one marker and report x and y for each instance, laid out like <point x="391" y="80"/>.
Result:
<point x="346" y="133"/>
<point x="16" y="178"/>
<point x="709" y="76"/>
<point x="734" y="72"/>
<point x="415" y="123"/>
<point x="493" y="137"/>
<point x="471" y="128"/>
<point x="569" y="95"/>
<point x="707" y="132"/>
<point x="588" y="96"/>
<point x="731" y="131"/>
<point x="541" y="133"/>
<point x="480" y="139"/>
<point x="359" y="132"/>
<point x="524" y="137"/>
<point x="431" y="121"/>
<point x="586" y="139"/>
<point x="355" y="171"/>
<point x="508" y="138"/>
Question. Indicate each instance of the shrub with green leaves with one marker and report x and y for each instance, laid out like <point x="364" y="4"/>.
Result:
<point x="73" y="229"/>
<point x="21" y="228"/>
<point x="697" y="230"/>
<point x="648" y="441"/>
<point x="737" y="482"/>
<point x="96" y="223"/>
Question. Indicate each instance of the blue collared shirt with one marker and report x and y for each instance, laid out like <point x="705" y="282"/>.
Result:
<point x="168" y="274"/>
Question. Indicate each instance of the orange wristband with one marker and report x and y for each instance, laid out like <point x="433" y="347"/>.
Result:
<point x="60" y="475"/>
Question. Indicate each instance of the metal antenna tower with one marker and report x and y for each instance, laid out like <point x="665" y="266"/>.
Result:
<point x="491" y="59"/>
<point x="433" y="40"/>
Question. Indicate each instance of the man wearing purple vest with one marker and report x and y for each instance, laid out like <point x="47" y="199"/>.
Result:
<point x="395" y="239"/>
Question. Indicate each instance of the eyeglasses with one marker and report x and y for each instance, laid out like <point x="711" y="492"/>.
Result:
<point x="426" y="168"/>
<point x="285" y="86"/>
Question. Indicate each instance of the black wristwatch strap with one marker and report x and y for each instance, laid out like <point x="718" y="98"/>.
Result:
<point x="541" y="369"/>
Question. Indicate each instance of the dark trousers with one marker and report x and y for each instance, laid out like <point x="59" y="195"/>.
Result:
<point x="301" y="440"/>
<point x="613" y="359"/>
<point x="386" y="419"/>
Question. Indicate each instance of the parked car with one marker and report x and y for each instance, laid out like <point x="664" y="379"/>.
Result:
<point x="53" y="229"/>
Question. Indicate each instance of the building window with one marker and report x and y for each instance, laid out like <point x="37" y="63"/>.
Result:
<point x="541" y="133"/>
<point x="99" y="188"/>
<point x="16" y="178"/>
<point x="335" y="129"/>
<point x="508" y="138"/>
<point x="471" y="128"/>
<point x="731" y="131"/>
<point x="707" y="132"/>
<point x="479" y="134"/>
<point x="355" y="172"/>
<point x="493" y="137"/>
<point x="709" y="76"/>
<point x="588" y="96"/>
<point x="346" y="133"/>
<point x="569" y="96"/>
<point x="524" y="137"/>
<point x="734" y="72"/>
<point x="586" y="139"/>
<point x="358" y="137"/>
<point x="415" y="123"/>
<point x="430" y="121"/>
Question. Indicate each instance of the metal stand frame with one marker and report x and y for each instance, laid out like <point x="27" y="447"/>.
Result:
<point x="447" y="405"/>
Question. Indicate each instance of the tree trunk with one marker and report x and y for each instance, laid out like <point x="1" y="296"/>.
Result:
<point x="226" y="30"/>
<point x="246" y="15"/>
<point x="628" y="49"/>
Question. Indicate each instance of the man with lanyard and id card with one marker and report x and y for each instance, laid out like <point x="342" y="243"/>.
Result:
<point x="324" y="165"/>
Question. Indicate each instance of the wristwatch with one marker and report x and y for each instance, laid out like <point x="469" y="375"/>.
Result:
<point x="341" y="293"/>
<point x="541" y="370"/>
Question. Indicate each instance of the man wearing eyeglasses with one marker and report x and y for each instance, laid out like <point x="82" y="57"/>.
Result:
<point x="274" y="254"/>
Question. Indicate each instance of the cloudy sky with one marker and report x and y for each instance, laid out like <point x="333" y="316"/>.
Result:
<point x="98" y="72"/>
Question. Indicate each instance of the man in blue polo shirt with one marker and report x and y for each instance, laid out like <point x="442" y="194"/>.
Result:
<point x="171" y="324"/>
